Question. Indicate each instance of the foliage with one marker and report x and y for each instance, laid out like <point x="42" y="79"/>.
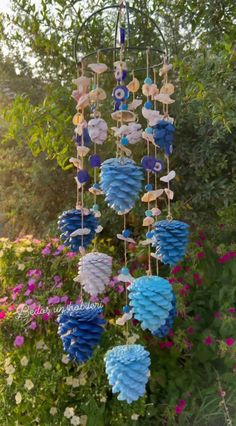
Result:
<point x="183" y="387"/>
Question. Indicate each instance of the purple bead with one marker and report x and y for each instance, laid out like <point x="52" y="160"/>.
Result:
<point x="122" y="35"/>
<point x="94" y="160"/>
<point x="83" y="176"/>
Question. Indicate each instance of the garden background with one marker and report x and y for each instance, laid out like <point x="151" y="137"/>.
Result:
<point x="193" y="370"/>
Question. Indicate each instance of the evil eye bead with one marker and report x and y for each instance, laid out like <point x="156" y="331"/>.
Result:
<point x="149" y="234"/>
<point x="149" y="130"/>
<point x="120" y="93"/>
<point x="120" y="75"/>
<point x="124" y="141"/>
<point x="83" y="176"/>
<point x="149" y="187"/>
<point x="124" y="107"/>
<point x="158" y="166"/>
<point x="125" y="271"/>
<point x="148" y="213"/>
<point x="95" y="207"/>
<point x="126" y="309"/>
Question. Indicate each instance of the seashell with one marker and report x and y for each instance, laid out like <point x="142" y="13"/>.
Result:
<point x="83" y="102"/>
<point x="97" y="128"/>
<point x="169" y="193"/>
<point x="164" y="98"/>
<point x="133" y="85"/>
<point x="98" y="68"/>
<point x="171" y="175"/>
<point x="147" y="221"/>
<point x="127" y="239"/>
<point x="78" y="119"/>
<point x="80" y="231"/>
<point x="125" y="278"/>
<point x="146" y="242"/>
<point x="167" y="89"/>
<point x="149" y="89"/>
<point x="134" y="104"/>
<point x="76" y="162"/>
<point x="76" y="95"/>
<point x="97" y="94"/>
<point x="151" y="195"/>
<point x="148" y="137"/>
<point x="127" y="151"/>
<point x="156" y="211"/>
<point x="78" y="183"/>
<point x="82" y="81"/>
<point x="95" y="191"/>
<point x="82" y="151"/>
<point x="152" y="116"/>
<point x="120" y="64"/>
<point x="97" y="214"/>
<point x="165" y="69"/>
<point x="82" y="250"/>
<point x="124" y="115"/>
<point x="99" y="229"/>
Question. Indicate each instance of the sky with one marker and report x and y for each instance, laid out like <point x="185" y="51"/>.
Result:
<point x="4" y="5"/>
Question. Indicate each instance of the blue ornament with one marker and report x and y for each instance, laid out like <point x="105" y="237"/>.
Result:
<point x="78" y="138"/>
<point x="148" y="105"/>
<point x="117" y="106"/>
<point x="151" y="298"/>
<point x="148" y="213"/>
<point x="149" y="234"/>
<point x="148" y="81"/>
<point x="120" y="93"/>
<point x="171" y="240"/>
<point x="124" y="270"/>
<point x="148" y="162"/>
<point x="96" y="186"/>
<point x="126" y="309"/>
<point x="120" y="75"/>
<point x="95" y="207"/>
<point x="149" y="187"/>
<point x="126" y="233"/>
<point x="122" y="35"/>
<point x="164" y="136"/>
<point x="95" y="160"/>
<point x="80" y="329"/>
<point x="159" y="166"/>
<point x="164" y="330"/>
<point x="83" y="176"/>
<point x="127" y="368"/>
<point x="124" y="141"/>
<point x="149" y="130"/>
<point x="124" y="107"/>
<point x="121" y="181"/>
<point x="71" y="221"/>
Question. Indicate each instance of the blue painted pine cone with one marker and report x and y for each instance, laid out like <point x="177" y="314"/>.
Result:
<point x="80" y="329"/>
<point x="164" y="136"/>
<point x="121" y="181"/>
<point x="171" y="240"/>
<point x="127" y="367"/>
<point x="164" y="330"/>
<point x="151" y="298"/>
<point x="70" y="224"/>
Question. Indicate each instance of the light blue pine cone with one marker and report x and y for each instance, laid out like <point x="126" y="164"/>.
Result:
<point x="121" y="181"/>
<point x="151" y="298"/>
<point x="127" y="367"/>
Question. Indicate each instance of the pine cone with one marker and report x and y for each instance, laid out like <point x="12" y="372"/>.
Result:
<point x="151" y="298"/>
<point x="94" y="272"/>
<point x="121" y="181"/>
<point x="71" y="221"/>
<point x="80" y="329"/>
<point x="171" y="240"/>
<point x="164" y="330"/>
<point x="127" y="370"/>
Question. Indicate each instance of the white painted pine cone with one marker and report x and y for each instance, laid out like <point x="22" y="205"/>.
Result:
<point x="94" y="272"/>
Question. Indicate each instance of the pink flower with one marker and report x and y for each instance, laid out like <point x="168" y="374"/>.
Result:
<point x="94" y="299"/>
<point x="19" y="340"/>
<point x="200" y="255"/>
<point x="226" y="257"/>
<point x="162" y="345"/>
<point x="18" y="288"/>
<point x="229" y="341"/>
<point x="201" y="234"/>
<point x="176" y="269"/>
<point x="190" y="330"/>
<point x="11" y="308"/>
<point x="33" y="325"/>
<point x="172" y="280"/>
<point x="180" y="406"/>
<point x="45" y="317"/>
<point x="70" y="254"/>
<point x="3" y="300"/>
<point x="208" y="341"/>
<point x="197" y="317"/>
<point x="119" y="288"/>
<point x="169" y="344"/>
<point x="56" y="278"/>
<point x="105" y="300"/>
<point x="217" y="314"/>
<point x="46" y="251"/>
<point x="53" y="300"/>
<point x="2" y="315"/>
<point x="232" y="310"/>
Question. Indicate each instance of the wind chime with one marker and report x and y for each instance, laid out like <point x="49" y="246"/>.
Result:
<point x="150" y="298"/>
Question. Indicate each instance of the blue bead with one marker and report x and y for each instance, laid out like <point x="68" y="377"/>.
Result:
<point x="126" y="309"/>
<point x="148" y="105"/>
<point x="95" y="160"/>
<point x="148" y="213"/>
<point x="149" y="130"/>
<point x="124" y="107"/>
<point x="149" y="234"/>
<point x="126" y="233"/>
<point x="95" y="207"/>
<point x="83" y="176"/>
<point x="124" y="141"/>
<point x="149" y="187"/>
<point x="122" y="35"/>
<point x="125" y="270"/>
<point x="148" y="81"/>
<point x="96" y="186"/>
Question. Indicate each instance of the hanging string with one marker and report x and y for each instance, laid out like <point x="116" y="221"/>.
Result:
<point x="155" y="181"/>
<point x="149" y="271"/>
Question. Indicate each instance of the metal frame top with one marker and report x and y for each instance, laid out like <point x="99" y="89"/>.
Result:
<point x="78" y="43"/>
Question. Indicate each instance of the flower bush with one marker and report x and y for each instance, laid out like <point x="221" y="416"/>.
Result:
<point x="192" y="370"/>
